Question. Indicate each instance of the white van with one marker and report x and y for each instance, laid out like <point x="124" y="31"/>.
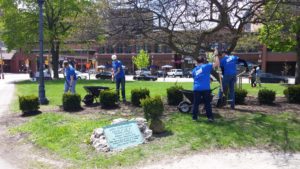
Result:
<point x="175" y="72"/>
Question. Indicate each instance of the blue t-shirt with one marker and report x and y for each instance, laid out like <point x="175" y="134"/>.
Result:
<point x="201" y="75"/>
<point x="70" y="71"/>
<point x="118" y="64"/>
<point x="229" y="64"/>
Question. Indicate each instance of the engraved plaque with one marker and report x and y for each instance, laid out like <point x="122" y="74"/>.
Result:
<point x="123" y="135"/>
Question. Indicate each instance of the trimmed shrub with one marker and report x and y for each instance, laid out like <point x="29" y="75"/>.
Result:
<point x="240" y="95"/>
<point x="153" y="110"/>
<point x="174" y="95"/>
<point x="266" y="96"/>
<point x="108" y="99"/>
<point x="28" y="104"/>
<point x="138" y="94"/>
<point x="292" y="93"/>
<point x="71" y="102"/>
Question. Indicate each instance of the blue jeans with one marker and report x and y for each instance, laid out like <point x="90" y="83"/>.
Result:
<point x="120" y="81"/>
<point x="228" y="81"/>
<point x="68" y="87"/>
<point x="202" y="97"/>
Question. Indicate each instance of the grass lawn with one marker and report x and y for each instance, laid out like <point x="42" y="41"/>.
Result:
<point x="68" y="136"/>
<point x="54" y="89"/>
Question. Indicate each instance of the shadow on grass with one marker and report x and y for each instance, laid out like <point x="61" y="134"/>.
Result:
<point x="280" y="132"/>
<point x="31" y="113"/>
<point x="167" y="133"/>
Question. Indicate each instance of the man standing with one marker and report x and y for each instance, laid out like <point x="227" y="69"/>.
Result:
<point x="258" y="73"/>
<point x="228" y="65"/>
<point x="202" y="92"/>
<point x="119" y="76"/>
<point x="70" y="76"/>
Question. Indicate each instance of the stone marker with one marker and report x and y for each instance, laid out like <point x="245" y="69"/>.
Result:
<point x="123" y="135"/>
<point x="100" y="142"/>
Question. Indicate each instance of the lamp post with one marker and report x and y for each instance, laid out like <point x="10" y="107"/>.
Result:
<point x="42" y="96"/>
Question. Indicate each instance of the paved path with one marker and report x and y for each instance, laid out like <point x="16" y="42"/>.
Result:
<point x="251" y="159"/>
<point x="6" y="95"/>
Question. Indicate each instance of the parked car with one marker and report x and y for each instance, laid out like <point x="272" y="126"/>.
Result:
<point x="160" y="73"/>
<point x="187" y="73"/>
<point x="143" y="71"/>
<point x="47" y="75"/>
<point x="104" y="75"/>
<point x="144" y="77"/>
<point x="81" y="75"/>
<point x="271" y="78"/>
<point x="175" y="72"/>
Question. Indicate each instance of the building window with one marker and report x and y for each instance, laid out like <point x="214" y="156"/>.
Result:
<point x="102" y="49"/>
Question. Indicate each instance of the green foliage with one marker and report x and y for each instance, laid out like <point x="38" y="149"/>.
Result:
<point x="141" y="60"/>
<point x="71" y="102"/>
<point x="248" y="43"/>
<point x="266" y="96"/>
<point x="108" y="98"/>
<point x="279" y="34"/>
<point x="292" y="93"/>
<point x="153" y="108"/>
<point x="174" y="95"/>
<point x="138" y="94"/>
<point x="240" y="95"/>
<point x="28" y="103"/>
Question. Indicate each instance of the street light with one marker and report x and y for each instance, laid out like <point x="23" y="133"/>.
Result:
<point x="42" y="96"/>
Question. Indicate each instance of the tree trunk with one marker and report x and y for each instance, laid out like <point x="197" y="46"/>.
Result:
<point x="297" y="74"/>
<point x="55" y="57"/>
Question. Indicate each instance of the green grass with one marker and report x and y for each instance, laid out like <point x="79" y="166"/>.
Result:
<point x="68" y="136"/>
<point x="54" y="89"/>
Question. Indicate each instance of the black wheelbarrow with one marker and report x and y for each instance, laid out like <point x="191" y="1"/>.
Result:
<point x="186" y="105"/>
<point x="93" y="94"/>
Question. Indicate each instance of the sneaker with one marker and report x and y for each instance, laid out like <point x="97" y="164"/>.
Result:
<point x="211" y="120"/>
<point x="195" y="119"/>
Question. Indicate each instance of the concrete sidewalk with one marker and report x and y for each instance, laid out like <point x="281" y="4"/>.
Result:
<point x="6" y="95"/>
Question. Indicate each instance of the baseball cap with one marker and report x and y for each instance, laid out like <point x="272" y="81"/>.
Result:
<point x="113" y="57"/>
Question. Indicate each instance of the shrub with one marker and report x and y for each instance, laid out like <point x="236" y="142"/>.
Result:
<point x="108" y="98"/>
<point x="266" y="96"/>
<point x="240" y="95"/>
<point x="153" y="110"/>
<point x="71" y="102"/>
<point x="28" y="104"/>
<point x="292" y="93"/>
<point x="138" y="94"/>
<point x="174" y="95"/>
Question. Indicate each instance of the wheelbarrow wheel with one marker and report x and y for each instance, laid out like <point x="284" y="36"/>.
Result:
<point x="88" y="99"/>
<point x="184" y="107"/>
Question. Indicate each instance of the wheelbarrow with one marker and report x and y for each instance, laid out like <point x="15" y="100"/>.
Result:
<point x="93" y="94"/>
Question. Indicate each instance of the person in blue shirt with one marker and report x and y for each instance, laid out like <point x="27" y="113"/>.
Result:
<point x="201" y="89"/>
<point x="228" y="65"/>
<point x="70" y="77"/>
<point x="119" y="76"/>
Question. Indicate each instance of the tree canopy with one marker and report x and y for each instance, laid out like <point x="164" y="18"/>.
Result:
<point x="141" y="60"/>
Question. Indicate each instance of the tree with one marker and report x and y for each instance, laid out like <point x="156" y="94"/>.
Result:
<point x="141" y="60"/>
<point x="20" y="19"/>
<point x="282" y="31"/>
<point x="188" y="26"/>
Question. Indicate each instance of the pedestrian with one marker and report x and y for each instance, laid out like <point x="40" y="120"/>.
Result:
<point x="119" y="75"/>
<point x="228" y="65"/>
<point x="201" y="89"/>
<point x="70" y="77"/>
<point x="258" y="74"/>
<point x="252" y="76"/>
